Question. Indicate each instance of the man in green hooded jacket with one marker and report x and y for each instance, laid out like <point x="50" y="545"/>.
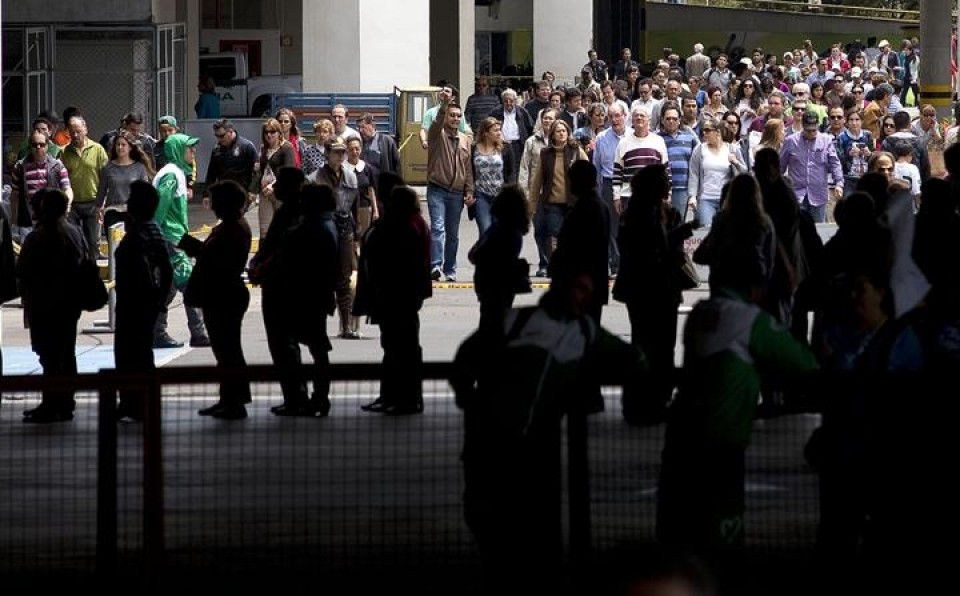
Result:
<point x="171" y="216"/>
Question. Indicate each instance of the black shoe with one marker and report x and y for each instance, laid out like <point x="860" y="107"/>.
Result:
<point x="541" y="273"/>
<point x="45" y="415"/>
<point x="211" y="410"/>
<point x="165" y="341"/>
<point x="377" y="405"/>
<point x="200" y="342"/>
<point x="290" y="410"/>
<point x="436" y="275"/>
<point x="320" y="406"/>
<point x="31" y="411"/>
<point x="237" y="412"/>
<point x="406" y="410"/>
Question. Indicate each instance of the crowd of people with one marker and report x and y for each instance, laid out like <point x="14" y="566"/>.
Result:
<point x="615" y="173"/>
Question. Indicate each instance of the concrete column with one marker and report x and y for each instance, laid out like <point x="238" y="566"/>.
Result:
<point x="452" y="45"/>
<point x="366" y="46"/>
<point x="562" y="34"/>
<point x="936" y="21"/>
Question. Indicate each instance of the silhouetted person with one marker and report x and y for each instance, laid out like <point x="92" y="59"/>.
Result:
<point x="500" y="273"/>
<point x="218" y="288"/>
<point x="391" y="288"/>
<point x="582" y="244"/>
<point x="515" y="388"/>
<point x="651" y="254"/>
<point x="144" y="277"/>
<point x="302" y="277"/>
<point x="48" y="268"/>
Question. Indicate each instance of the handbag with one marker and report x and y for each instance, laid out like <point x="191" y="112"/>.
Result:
<point x="91" y="291"/>
<point x="687" y="276"/>
<point x="521" y="277"/>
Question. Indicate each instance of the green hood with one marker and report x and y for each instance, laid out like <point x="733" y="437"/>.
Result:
<point x="173" y="149"/>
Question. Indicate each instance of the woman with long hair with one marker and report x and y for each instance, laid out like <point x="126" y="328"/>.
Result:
<point x="713" y="164"/>
<point x="887" y="128"/>
<point x="290" y="133"/>
<point x="492" y="161"/>
<point x="749" y="105"/>
<point x="772" y="136"/>
<point x="818" y="93"/>
<point x="499" y="270"/>
<point x="275" y="153"/>
<point x="127" y="164"/>
<point x="550" y="196"/>
<point x="740" y="248"/>
<point x="651" y="254"/>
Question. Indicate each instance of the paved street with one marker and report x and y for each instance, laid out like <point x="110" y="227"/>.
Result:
<point x="446" y="319"/>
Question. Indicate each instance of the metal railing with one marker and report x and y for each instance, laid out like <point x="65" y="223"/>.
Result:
<point x="180" y="498"/>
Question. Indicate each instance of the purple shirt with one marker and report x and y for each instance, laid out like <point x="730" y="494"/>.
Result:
<point x="808" y="162"/>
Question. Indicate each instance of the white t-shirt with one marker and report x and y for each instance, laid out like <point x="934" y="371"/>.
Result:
<point x="910" y="173"/>
<point x="715" y="168"/>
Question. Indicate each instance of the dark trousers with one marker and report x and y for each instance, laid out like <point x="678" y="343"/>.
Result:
<point x="401" y="383"/>
<point x="224" y="324"/>
<point x="86" y="216"/>
<point x="285" y="351"/>
<point x="133" y="353"/>
<point x="55" y="342"/>
<point x="653" y="328"/>
<point x="613" y="249"/>
<point x="547" y="224"/>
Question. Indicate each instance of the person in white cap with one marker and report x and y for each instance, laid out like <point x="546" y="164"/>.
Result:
<point x="888" y="62"/>
<point x="856" y="80"/>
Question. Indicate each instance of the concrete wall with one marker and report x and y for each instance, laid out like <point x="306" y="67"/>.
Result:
<point x="562" y="34"/>
<point x="370" y="46"/>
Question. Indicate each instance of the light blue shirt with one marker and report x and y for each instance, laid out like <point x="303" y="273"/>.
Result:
<point x="605" y="152"/>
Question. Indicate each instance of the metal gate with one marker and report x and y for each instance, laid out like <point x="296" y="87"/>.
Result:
<point x="106" y="71"/>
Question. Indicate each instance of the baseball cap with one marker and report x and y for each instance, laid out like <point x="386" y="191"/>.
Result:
<point x="856" y="71"/>
<point x="191" y="141"/>
<point x="873" y="69"/>
<point x="335" y="144"/>
<point x="883" y="43"/>
<point x="810" y="120"/>
<point x="169" y="121"/>
<point x="746" y="61"/>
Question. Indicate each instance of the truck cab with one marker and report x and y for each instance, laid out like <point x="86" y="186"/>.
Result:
<point x="240" y="93"/>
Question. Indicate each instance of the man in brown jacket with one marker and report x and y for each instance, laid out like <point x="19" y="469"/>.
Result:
<point x="449" y="187"/>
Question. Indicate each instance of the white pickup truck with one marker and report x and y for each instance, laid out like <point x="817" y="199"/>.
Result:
<point x="239" y="93"/>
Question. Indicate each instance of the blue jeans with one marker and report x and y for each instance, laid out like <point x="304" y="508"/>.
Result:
<point x="482" y="211"/>
<point x="678" y="198"/>
<point x="613" y="250"/>
<point x="706" y="210"/>
<point x="445" y="208"/>
<point x="817" y="212"/>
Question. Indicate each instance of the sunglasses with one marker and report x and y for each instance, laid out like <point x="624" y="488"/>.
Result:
<point x="750" y="85"/>
<point x="38" y="145"/>
<point x="889" y="125"/>
<point x="885" y="169"/>
<point x="836" y="117"/>
<point x="283" y="121"/>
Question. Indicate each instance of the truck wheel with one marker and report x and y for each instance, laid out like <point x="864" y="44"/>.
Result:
<point x="261" y="107"/>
